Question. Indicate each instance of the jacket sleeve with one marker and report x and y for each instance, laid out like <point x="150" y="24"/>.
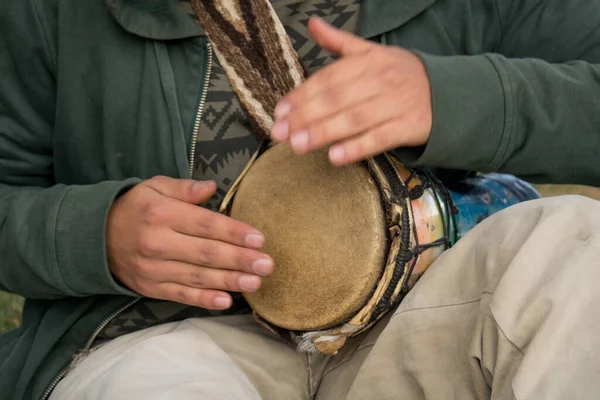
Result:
<point x="52" y="236"/>
<point x="530" y="106"/>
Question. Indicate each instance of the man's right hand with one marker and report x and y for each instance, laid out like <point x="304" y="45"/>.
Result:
<point x="162" y="245"/>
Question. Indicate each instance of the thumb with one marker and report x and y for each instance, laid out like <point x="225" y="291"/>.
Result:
<point x="335" y="40"/>
<point x="187" y="190"/>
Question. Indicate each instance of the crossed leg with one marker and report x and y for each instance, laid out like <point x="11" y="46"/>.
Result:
<point x="218" y="358"/>
<point x="511" y="312"/>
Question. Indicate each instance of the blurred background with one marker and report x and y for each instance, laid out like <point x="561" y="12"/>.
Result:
<point x="11" y="305"/>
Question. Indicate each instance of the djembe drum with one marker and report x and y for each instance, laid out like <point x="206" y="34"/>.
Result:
<point x="348" y="242"/>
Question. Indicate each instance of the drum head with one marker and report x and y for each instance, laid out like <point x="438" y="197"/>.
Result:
<point x="325" y="228"/>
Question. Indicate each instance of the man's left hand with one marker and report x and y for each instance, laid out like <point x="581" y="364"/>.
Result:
<point x="374" y="98"/>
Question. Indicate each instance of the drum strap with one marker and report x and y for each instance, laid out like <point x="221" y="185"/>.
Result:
<point x="255" y="52"/>
<point x="258" y="58"/>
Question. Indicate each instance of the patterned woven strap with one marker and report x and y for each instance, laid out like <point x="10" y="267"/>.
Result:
<point x="255" y="52"/>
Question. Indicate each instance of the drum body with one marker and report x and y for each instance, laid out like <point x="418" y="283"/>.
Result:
<point x="344" y="240"/>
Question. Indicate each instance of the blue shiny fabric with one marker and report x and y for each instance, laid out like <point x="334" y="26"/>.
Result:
<point x="478" y="197"/>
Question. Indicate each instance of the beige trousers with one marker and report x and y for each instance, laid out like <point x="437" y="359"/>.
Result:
<point x="511" y="312"/>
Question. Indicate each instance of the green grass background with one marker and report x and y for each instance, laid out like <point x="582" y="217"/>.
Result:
<point x="10" y="311"/>
<point x="11" y="305"/>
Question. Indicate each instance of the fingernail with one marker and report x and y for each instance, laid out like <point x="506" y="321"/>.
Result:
<point x="249" y="283"/>
<point x="201" y="185"/>
<point x="282" y="109"/>
<point x="222" y="302"/>
<point x="299" y="140"/>
<point x="255" y="240"/>
<point x="280" y="130"/>
<point x="263" y="266"/>
<point x="337" y="154"/>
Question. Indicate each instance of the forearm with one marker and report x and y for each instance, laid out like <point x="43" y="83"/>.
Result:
<point x="525" y="117"/>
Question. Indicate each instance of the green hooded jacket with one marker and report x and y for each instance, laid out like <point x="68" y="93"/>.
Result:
<point x="97" y="95"/>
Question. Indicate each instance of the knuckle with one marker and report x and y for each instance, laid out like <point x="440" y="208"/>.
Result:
<point x="200" y="298"/>
<point x="150" y="246"/>
<point x="366" y="145"/>
<point x="182" y="295"/>
<point x="391" y="76"/>
<point x="357" y="149"/>
<point x="234" y="232"/>
<point x="206" y="224"/>
<point x="155" y="182"/>
<point x="384" y="138"/>
<point x="153" y="212"/>
<point x="198" y="279"/>
<point x="204" y="299"/>
<point x="377" y="142"/>
<point x="320" y="133"/>
<point x="159" y="178"/>
<point x="228" y="227"/>
<point x="333" y="95"/>
<point x="354" y="119"/>
<point x="243" y="261"/>
<point x="377" y="53"/>
<point x="208" y="255"/>
<point x="298" y="119"/>
<point x="144" y="268"/>
<point x="193" y="297"/>
<point x="231" y="282"/>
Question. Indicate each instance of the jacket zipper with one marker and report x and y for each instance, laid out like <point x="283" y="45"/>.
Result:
<point x="195" y="132"/>
<point x="87" y="346"/>
<point x="201" y="105"/>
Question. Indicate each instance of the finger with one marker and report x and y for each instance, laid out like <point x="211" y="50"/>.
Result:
<point x="206" y="253"/>
<point x="340" y="113"/>
<point x="371" y="143"/>
<point x="199" y="222"/>
<point x="186" y="190"/>
<point x="200" y="277"/>
<point x="203" y="298"/>
<point x="335" y="40"/>
<point x="342" y="71"/>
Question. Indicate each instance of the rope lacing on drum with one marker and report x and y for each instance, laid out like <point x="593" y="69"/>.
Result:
<point x="400" y="194"/>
